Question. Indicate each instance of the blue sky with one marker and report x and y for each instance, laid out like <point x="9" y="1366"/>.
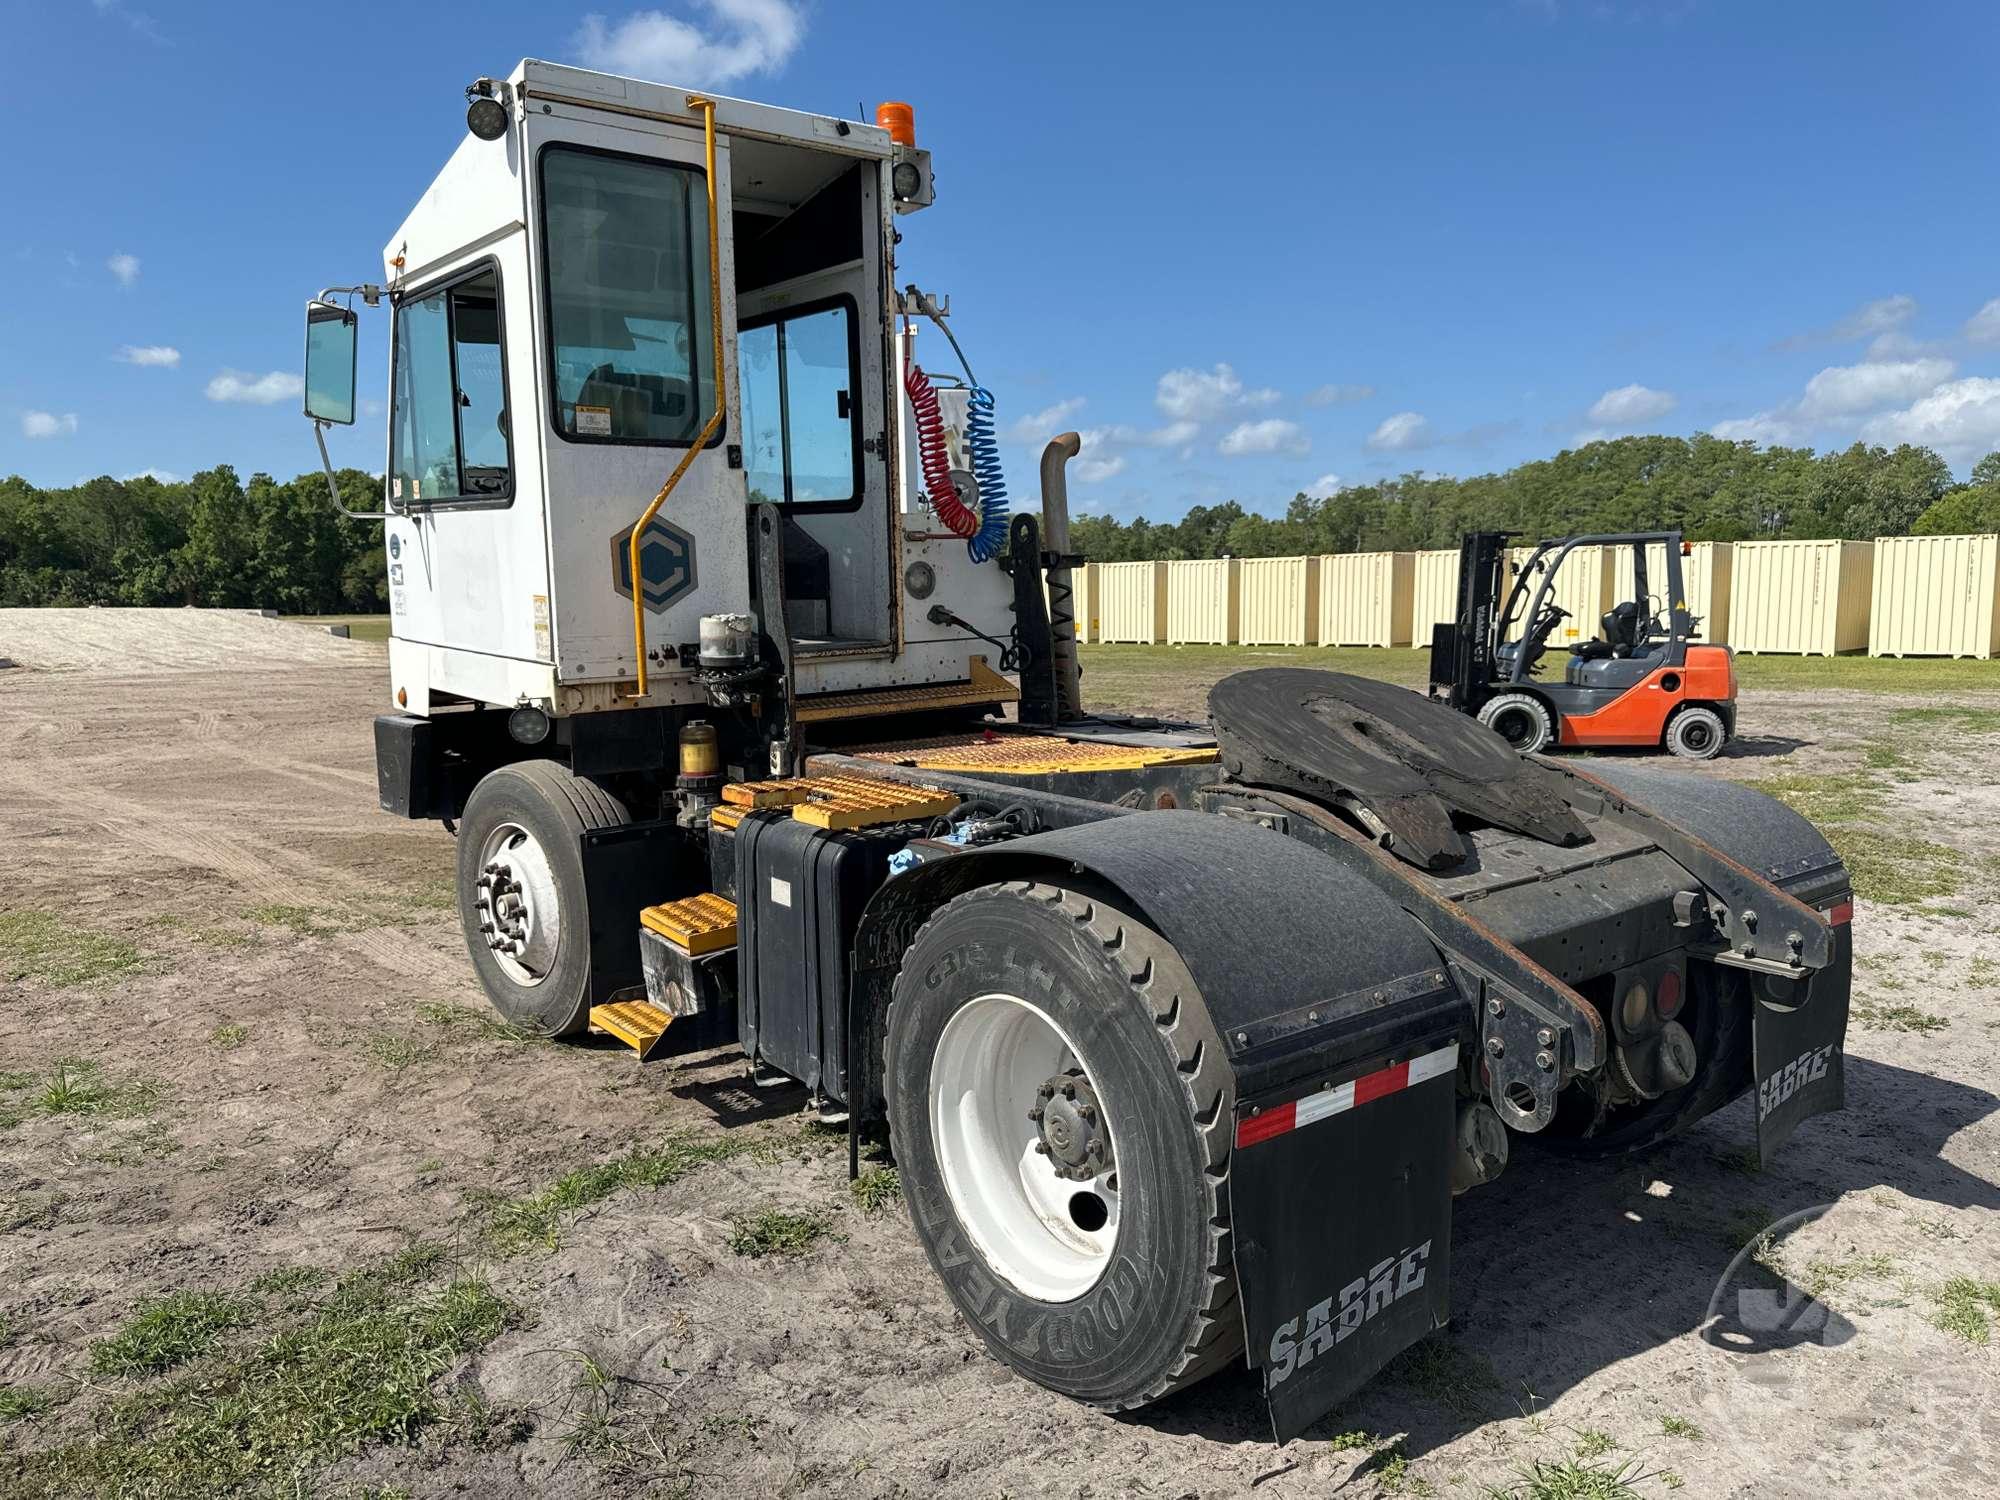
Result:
<point x="1248" y="249"/>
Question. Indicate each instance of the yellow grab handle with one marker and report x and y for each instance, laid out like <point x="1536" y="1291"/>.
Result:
<point x="707" y="106"/>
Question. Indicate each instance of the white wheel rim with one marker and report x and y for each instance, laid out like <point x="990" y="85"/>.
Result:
<point x="1020" y="1214"/>
<point x="520" y="917"/>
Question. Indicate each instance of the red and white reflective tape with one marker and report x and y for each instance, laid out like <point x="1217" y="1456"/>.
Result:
<point x="1840" y="913"/>
<point x="1328" y="1102"/>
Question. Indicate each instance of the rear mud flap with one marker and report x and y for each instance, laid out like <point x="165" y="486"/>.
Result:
<point x="1799" y="1049"/>
<point x="1340" y="1195"/>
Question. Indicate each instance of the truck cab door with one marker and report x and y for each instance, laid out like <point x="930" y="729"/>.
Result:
<point x="619" y="237"/>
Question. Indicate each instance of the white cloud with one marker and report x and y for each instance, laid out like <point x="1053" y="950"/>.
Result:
<point x="1632" y="405"/>
<point x="163" y="475"/>
<point x="141" y="23"/>
<point x="1762" y="427"/>
<point x="1842" y="390"/>
<point x="161" y="355"/>
<point x="1961" y="419"/>
<point x="1204" y="395"/>
<point x="1404" y="431"/>
<point x="125" y="268"/>
<point x="47" y="424"/>
<point x="1272" y="435"/>
<point x="1879" y="319"/>
<point x="742" y="37"/>
<point x="1325" y="485"/>
<point x="255" y="390"/>
<point x="1335" y="395"/>
<point x="1039" y="426"/>
<point x="1983" y="327"/>
<point x="1097" y="470"/>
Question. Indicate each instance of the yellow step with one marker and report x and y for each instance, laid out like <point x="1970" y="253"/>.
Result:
<point x="696" y="925"/>
<point x="637" y="1023"/>
<point x="863" y="802"/>
<point x="840" y="801"/>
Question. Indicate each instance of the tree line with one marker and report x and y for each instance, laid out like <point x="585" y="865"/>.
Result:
<point x="211" y="540"/>
<point x="215" y="540"/>
<point x="1707" y="488"/>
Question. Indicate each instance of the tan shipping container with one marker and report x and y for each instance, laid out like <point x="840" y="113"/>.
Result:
<point x="1433" y="592"/>
<point x="1130" y="600"/>
<point x="1365" y="598"/>
<point x="1280" y="601"/>
<point x="1583" y="587"/>
<point x="1204" y="601"/>
<point x="1705" y="576"/>
<point x="1935" y="596"/>
<point x="1079" y="600"/>
<point x="1803" y="598"/>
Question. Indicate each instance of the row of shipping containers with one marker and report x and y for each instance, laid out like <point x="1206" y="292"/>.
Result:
<point x="1896" y="596"/>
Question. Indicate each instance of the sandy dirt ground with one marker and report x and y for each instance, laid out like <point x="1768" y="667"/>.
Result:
<point x="297" y="1016"/>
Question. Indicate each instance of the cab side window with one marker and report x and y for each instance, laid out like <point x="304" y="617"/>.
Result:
<point x="450" y="439"/>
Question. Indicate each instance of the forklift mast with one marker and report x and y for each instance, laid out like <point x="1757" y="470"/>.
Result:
<point x="1462" y="648"/>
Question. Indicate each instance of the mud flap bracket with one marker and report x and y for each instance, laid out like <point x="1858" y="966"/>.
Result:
<point x="1340" y="1193"/>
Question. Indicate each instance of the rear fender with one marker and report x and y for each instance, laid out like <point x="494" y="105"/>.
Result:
<point x="1342" y="1027"/>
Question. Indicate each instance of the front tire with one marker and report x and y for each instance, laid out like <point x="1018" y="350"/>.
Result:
<point x="1136" y="1298"/>
<point x="1521" y="719"/>
<point x="1696" y="733"/>
<point x="521" y="899"/>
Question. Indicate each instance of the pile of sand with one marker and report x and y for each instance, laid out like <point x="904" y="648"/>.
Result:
<point x="166" y="640"/>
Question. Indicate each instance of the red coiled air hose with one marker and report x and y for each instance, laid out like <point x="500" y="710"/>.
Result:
<point x="952" y="512"/>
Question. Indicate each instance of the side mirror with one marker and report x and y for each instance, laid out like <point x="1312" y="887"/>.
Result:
<point x="331" y="333"/>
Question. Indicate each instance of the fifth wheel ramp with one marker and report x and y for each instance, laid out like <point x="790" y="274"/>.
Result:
<point x="1408" y="761"/>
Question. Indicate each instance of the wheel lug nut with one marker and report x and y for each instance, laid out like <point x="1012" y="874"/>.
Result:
<point x="1069" y="1091"/>
<point x="1041" y="1148"/>
<point x="1035" y="1114"/>
<point x="1087" y="1113"/>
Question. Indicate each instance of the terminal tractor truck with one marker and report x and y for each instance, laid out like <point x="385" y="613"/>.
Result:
<point x="753" y="704"/>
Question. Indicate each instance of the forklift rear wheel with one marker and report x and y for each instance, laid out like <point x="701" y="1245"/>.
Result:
<point x="1696" y="733"/>
<point x="520" y="891"/>
<point x="1061" y="1114"/>
<point x="1521" y="719"/>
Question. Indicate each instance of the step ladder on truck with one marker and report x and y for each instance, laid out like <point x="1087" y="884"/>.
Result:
<point x="756" y="712"/>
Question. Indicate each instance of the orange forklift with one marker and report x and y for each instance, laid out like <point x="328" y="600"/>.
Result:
<point x="1641" y="683"/>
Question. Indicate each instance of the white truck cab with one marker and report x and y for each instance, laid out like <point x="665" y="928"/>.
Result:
<point x="552" y="364"/>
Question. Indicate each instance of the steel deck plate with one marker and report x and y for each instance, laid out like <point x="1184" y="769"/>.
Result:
<point x="1027" y="754"/>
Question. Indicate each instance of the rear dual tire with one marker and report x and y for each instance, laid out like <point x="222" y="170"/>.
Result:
<point x="1077" y="972"/>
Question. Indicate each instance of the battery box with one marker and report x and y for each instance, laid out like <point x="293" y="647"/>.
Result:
<point x="800" y="892"/>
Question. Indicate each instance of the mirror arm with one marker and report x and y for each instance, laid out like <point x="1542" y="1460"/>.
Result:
<point x="333" y="486"/>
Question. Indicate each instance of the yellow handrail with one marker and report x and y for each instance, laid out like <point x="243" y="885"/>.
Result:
<point x="707" y="106"/>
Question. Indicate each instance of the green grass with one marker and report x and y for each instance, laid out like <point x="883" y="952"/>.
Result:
<point x="168" y="1331"/>
<point x="54" y="950"/>
<point x="473" y="1021"/>
<point x="876" y="1188"/>
<point x="229" y="1035"/>
<point x="1572" y="1478"/>
<point x="359" y="627"/>
<point x="1680" y="1427"/>
<point x="1444" y="1372"/>
<point x="357" y="1369"/>
<point x="1590" y="1443"/>
<point x="18" y="1401"/>
<point x="394" y="1051"/>
<point x="1825" y="1278"/>
<point x="1147" y="678"/>
<point x="1962" y="1304"/>
<point x="1895" y="1018"/>
<point x="76" y="1086"/>
<point x="290" y="1281"/>
<point x="516" y="1224"/>
<point x="306" y="921"/>
<point x="775" y="1232"/>
<point x="1892" y="868"/>
<point x="1949" y="719"/>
